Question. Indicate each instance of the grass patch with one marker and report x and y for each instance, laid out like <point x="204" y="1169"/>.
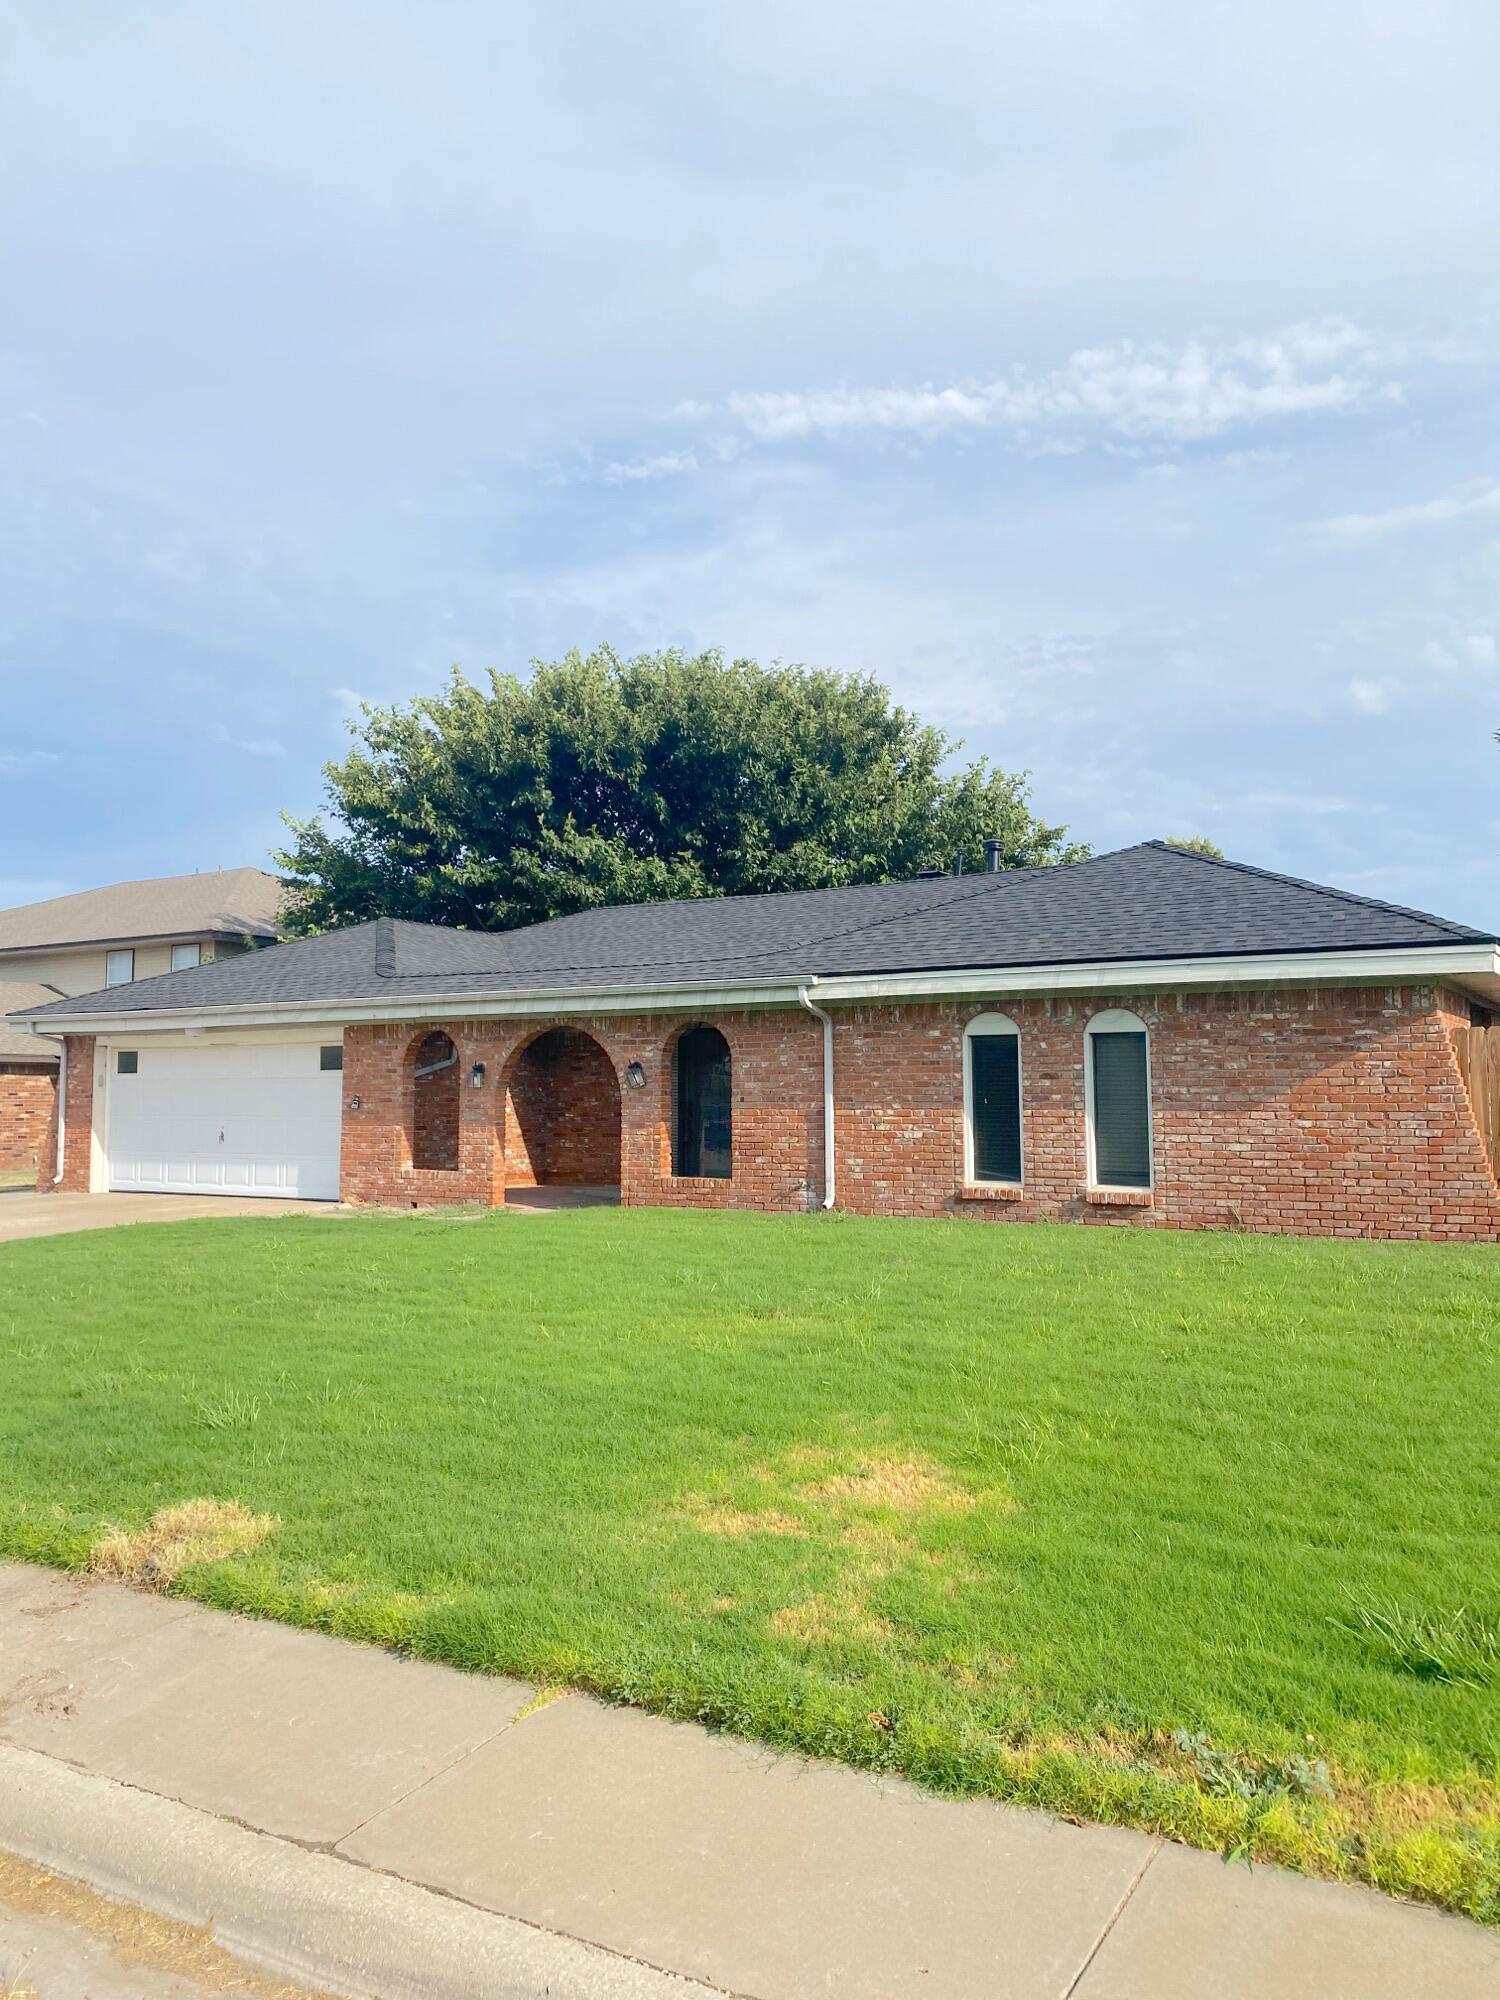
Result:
<point x="175" y="1539"/>
<point x="1193" y="1533"/>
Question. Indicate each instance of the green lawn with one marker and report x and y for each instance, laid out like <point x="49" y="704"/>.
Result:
<point x="1143" y="1527"/>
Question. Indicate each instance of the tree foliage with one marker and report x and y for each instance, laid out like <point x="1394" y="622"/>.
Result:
<point x="603" y="780"/>
<point x="1196" y="843"/>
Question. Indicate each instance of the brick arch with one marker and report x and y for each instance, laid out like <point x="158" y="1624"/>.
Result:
<point x="432" y="1067"/>
<point x="560" y="1111"/>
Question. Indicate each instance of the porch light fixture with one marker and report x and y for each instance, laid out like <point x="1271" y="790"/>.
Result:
<point x="635" y="1076"/>
<point x="476" y="1077"/>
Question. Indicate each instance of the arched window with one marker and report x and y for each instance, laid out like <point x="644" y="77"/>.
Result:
<point x="703" y="1125"/>
<point x="435" y="1093"/>
<point x="1117" y="1088"/>
<point x="992" y="1101"/>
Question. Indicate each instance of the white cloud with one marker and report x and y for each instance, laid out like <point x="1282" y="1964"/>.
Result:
<point x="1146" y="390"/>
<point x="18" y="763"/>
<point x="666" y="465"/>
<point x="1370" y="697"/>
<point x="1475" y="496"/>
<point x="1460" y="654"/>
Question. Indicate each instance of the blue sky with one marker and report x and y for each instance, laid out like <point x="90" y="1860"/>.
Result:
<point x="1117" y="381"/>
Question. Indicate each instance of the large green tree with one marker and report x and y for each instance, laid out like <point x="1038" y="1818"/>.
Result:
<point x="603" y="780"/>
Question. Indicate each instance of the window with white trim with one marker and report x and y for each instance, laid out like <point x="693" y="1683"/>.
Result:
<point x="1118" y="1090"/>
<point x="992" y="1102"/>
<point x="184" y="955"/>
<point x="119" y="967"/>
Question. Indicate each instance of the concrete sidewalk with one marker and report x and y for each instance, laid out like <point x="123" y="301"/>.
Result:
<point x="379" y="1826"/>
<point x="25" y="1213"/>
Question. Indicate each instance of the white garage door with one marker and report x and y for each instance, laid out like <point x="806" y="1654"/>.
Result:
<point x="225" y="1120"/>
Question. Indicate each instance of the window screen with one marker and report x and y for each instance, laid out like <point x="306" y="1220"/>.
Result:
<point x="703" y="1134"/>
<point x="119" y="968"/>
<point x="995" y="1106"/>
<point x="1122" y="1111"/>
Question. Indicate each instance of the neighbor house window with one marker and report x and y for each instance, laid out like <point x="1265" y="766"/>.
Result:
<point x="992" y="1101"/>
<point x="184" y="955"/>
<point x="1118" y="1089"/>
<point x="331" y="1056"/>
<point x="125" y="1062"/>
<point x="703" y="1127"/>
<point x="119" y="968"/>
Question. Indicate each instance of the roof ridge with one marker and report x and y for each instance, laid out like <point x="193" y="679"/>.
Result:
<point x="1351" y="896"/>
<point x="782" y="895"/>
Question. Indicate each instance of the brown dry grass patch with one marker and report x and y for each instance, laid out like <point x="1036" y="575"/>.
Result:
<point x="176" y="1538"/>
<point x="905" y="1485"/>
<point x="738" y="1521"/>
<point x="822" y="1620"/>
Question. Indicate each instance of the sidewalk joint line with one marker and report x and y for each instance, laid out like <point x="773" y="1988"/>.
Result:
<point x="332" y="1853"/>
<point x="334" y="1846"/>
<point x="1114" y="1917"/>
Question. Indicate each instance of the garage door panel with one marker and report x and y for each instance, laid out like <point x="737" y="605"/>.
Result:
<point x="228" y="1120"/>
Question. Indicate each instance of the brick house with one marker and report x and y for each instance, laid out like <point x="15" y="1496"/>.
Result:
<point x="1147" y="1038"/>
<point x="106" y="937"/>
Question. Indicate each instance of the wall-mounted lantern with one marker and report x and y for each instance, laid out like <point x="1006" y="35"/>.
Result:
<point x="354" y="1103"/>
<point x="635" y="1076"/>
<point x="476" y="1077"/>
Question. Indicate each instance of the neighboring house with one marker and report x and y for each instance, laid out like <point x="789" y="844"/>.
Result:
<point x="106" y="937"/>
<point x="28" y="1078"/>
<point x="1149" y="1037"/>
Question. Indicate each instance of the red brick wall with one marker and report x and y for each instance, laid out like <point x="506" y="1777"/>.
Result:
<point x="564" y="1114"/>
<point x="1333" y="1112"/>
<point x="25" y="1116"/>
<point x="778" y="1117"/>
<point x="435" y="1104"/>
<point x="80" y="1115"/>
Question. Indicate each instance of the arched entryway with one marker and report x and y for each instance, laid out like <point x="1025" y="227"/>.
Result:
<point x="434" y="1103"/>
<point x="562" y="1121"/>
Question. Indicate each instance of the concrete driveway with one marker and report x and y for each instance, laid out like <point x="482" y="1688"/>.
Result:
<point x="24" y="1212"/>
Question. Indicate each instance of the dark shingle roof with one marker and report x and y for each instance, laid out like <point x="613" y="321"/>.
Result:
<point x="1146" y="902"/>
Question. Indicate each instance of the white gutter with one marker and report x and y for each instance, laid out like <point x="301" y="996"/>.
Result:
<point x="485" y="1004"/>
<point x="829" y="1180"/>
<point x="1478" y="963"/>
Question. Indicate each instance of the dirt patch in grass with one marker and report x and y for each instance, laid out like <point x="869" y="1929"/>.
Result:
<point x="178" y="1538"/>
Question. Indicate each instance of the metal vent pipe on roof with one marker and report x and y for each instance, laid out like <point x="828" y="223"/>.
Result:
<point x="993" y="849"/>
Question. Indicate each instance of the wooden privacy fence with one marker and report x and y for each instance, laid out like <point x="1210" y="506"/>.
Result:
<point x="1478" y="1052"/>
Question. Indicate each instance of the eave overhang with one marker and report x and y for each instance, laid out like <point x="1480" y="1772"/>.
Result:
<point x="1472" y="968"/>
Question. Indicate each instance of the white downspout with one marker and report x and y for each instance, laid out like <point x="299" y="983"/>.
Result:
<point x="62" y="1096"/>
<point x="829" y="1177"/>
